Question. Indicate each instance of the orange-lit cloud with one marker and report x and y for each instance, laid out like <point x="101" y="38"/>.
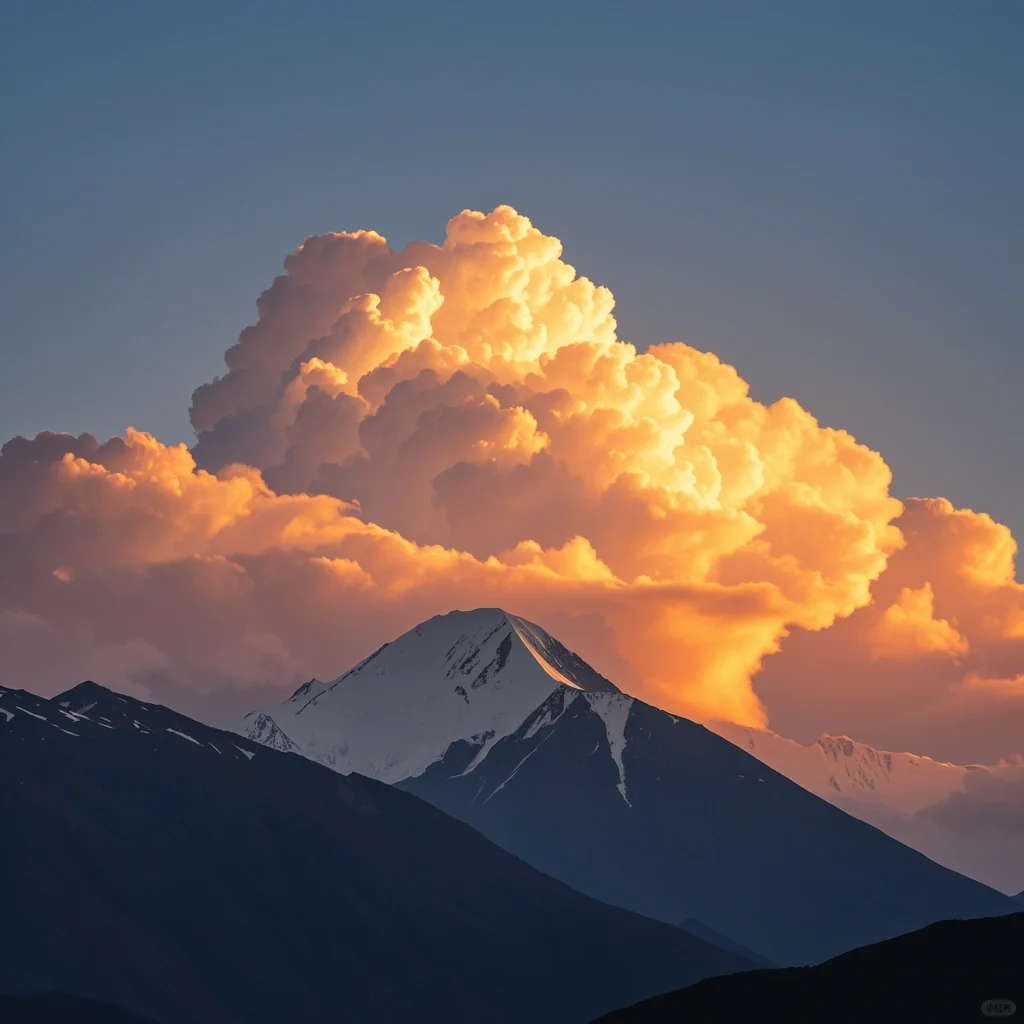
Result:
<point x="933" y="663"/>
<point x="908" y="628"/>
<point x="974" y="682"/>
<point x="449" y="426"/>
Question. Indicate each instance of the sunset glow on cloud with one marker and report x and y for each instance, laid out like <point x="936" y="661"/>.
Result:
<point x="402" y="433"/>
<point x="908" y="628"/>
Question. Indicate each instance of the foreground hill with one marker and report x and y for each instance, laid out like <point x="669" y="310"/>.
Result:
<point x="187" y="874"/>
<point x="946" y="972"/>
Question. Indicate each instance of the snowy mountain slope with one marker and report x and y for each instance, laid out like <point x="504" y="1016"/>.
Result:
<point x="654" y="813"/>
<point x="462" y="676"/>
<point x="840" y="766"/>
<point x="967" y="817"/>
<point x="188" y="874"/>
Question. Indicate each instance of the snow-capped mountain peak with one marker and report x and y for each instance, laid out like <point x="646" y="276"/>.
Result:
<point x="468" y="675"/>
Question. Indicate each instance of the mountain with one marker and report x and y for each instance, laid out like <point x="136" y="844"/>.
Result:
<point x="966" y="817"/>
<point x="463" y="676"/>
<point x="857" y="771"/>
<point x="625" y="802"/>
<point x="655" y="813"/>
<point x="187" y="874"/>
<point x="951" y="971"/>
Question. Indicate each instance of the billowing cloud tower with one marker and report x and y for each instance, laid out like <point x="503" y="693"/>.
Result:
<point x="401" y="433"/>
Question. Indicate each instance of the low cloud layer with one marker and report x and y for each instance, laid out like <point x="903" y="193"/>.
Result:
<point x="459" y="425"/>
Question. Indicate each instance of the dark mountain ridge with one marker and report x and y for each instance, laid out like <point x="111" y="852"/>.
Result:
<point x="953" y="971"/>
<point x="188" y="874"/>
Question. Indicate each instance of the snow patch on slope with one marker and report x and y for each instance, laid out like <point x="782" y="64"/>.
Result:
<point x="498" y="789"/>
<point x="184" y="736"/>
<point x="614" y="709"/>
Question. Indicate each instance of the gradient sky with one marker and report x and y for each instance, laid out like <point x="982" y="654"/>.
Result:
<point x="827" y="195"/>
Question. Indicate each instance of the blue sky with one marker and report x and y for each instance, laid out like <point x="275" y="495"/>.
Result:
<point x="826" y="194"/>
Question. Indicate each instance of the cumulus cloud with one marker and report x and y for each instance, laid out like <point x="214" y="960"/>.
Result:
<point x="933" y="663"/>
<point x="908" y="628"/>
<point x="403" y="432"/>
